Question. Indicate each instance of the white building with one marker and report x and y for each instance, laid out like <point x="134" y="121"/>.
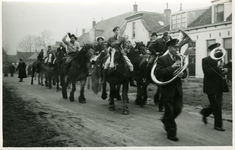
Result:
<point x="213" y="24"/>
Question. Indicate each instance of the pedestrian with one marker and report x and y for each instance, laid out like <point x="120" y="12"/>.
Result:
<point x="213" y="87"/>
<point x="29" y="69"/>
<point x="119" y="42"/>
<point x="171" y="93"/>
<point x="22" y="70"/>
<point x="5" y="69"/>
<point x="12" y="69"/>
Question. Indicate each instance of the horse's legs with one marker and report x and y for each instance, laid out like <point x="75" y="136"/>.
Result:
<point x="139" y="92"/>
<point x="88" y="83"/>
<point x="111" y="96"/>
<point x="57" y="83"/>
<point x="64" y="86"/>
<point x="32" y="76"/>
<point x="40" y="77"/>
<point x="49" y="81"/>
<point x="82" y="98"/>
<point x="104" y="93"/>
<point x="71" y="96"/>
<point x="117" y="92"/>
<point x="145" y="94"/>
<point x="125" y="110"/>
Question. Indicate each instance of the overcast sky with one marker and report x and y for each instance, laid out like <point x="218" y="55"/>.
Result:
<point x="30" y="18"/>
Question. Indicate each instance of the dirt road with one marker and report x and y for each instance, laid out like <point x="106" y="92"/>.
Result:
<point x="93" y="125"/>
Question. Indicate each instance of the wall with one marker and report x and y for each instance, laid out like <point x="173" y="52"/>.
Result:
<point x="200" y="36"/>
<point x="141" y="34"/>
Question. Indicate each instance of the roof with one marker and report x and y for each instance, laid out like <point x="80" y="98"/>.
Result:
<point x="24" y="55"/>
<point x="163" y="29"/>
<point x="108" y="24"/>
<point x="151" y="20"/>
<point x="105" y="27"/>
<point x="33" y="57"/>
<point x="11" y="58"/>
<point x="84" y="38"/>
<point x="204" y="19"/>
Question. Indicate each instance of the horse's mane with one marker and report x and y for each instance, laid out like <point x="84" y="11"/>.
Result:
<point x="82" y="56"/>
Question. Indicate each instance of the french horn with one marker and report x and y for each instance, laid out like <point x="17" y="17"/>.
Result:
<point x="183" y="39"/>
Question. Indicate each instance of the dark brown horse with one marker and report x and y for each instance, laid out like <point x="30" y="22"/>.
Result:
<point x="117" y="74"/>
<point x="139" y="59"/>
<point x="77" y="71"/>
<point x="38" y="67"/>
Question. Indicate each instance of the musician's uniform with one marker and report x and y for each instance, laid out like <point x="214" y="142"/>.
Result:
<point x="212" y="86"/>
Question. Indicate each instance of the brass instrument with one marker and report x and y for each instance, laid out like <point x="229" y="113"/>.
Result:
<point x="183" y="39"/>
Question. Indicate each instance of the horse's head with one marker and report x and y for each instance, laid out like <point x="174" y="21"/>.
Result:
<point x="88" y="49"/>
<point x="140" y="47"/>
<point x="116" y="58"/>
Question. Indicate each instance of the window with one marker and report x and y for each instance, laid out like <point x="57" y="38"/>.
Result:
<point x="219" y="13"/>
<point x="228" y="48"/>
<point x="208" y="43"/>
<point x="133" y="30"/>
<point x="178" y="21"/>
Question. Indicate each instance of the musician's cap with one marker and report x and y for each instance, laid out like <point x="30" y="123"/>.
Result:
<point x="100" y="37"/>
<point x="72" y="35"/>
<point x="115" y="28"/>
<point x="20" y="59"/>
<point x="213" y="46"/>
<point x="172" y="43"/>
<point x="154" y="34"/>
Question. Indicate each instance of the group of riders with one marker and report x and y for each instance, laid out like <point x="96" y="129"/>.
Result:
<point x="156" y="47"/>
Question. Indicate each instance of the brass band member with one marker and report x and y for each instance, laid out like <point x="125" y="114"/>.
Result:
<point x="172" y="93"/>
<point x="212" y="86"/>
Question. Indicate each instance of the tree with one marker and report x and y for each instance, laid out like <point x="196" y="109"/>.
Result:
<point x="27" y="43"/>
<point x="31" y="43"/>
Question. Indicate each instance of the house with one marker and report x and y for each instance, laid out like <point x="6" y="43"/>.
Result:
<point x="141" y="24"/>
<point x="23" y="55"/>
<point x="138" y="25"/>
<point x="103" y="28"/>
<point x="205" y="26"/>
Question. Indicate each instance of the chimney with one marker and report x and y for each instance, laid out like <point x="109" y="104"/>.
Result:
<point x="83" y="31"/>
<point x="180" y="6"/>
<point x="135" y="7"/>
<point x="93" y="23"/>
<point x="167" y="13"/>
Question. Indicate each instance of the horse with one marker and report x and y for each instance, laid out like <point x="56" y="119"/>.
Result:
<point x="139" y="58"/>
<point x="117" y="74"/>
<point x="76" y="71"/>
<point x="51" y="72"/>
<point x="38" y="67"/>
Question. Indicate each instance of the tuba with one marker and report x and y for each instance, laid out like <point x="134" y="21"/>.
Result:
<point x="183" y="39"/>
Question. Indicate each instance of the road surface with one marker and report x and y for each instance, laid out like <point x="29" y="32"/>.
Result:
<point x="93" y="125"/>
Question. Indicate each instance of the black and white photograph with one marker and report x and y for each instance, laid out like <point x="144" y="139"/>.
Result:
<point x="117" y="74"/>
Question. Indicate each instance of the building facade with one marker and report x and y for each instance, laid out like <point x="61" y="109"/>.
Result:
<point x="211" y="25"/>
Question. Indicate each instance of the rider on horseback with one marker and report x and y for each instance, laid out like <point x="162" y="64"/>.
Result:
<point x="73" y="47"/>
<point x="47" y="58"/>
<point x="119" y="42"/>
<point x="40" y="56"/>
<point x="157" y="47"/>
